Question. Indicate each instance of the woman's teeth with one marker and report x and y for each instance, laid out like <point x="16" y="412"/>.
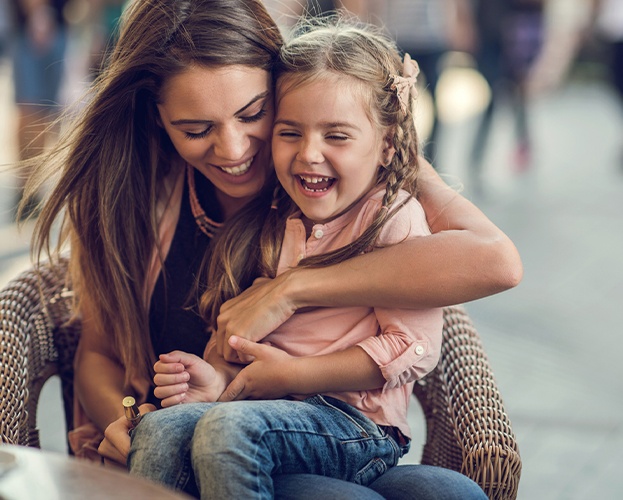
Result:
<point x="239" y="170"/>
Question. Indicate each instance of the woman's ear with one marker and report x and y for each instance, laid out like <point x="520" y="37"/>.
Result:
<point x="159" y="118"/>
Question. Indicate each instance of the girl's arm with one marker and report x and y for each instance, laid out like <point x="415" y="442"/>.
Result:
<point x="466" y="258"/>
<point x="275" y="374"/>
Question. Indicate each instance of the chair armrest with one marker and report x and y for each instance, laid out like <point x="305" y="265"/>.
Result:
<point x="468" y="429"/>
<point x="33" y="310"/>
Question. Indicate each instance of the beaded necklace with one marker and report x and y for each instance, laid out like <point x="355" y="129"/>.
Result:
<point x="207" y="225"/>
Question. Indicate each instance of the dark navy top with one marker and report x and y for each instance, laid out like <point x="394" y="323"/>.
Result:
<point x="174" y="322"/>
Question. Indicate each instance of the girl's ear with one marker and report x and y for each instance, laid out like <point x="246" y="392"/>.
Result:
<point x="388" y="148"/>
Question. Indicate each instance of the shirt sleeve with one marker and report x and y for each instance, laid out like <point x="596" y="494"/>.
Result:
<point x="408" y="343"/>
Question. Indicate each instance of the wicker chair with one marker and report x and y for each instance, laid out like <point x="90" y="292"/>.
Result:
<point x="468" y="429"/>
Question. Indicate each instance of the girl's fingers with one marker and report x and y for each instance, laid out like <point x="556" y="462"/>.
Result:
<point x="173" y="400"/>
<point x="167" y="391"/>
<point x="162" y="379"/>
<point x="162" y="367"/>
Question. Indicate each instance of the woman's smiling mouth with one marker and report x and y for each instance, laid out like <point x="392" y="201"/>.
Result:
<point x="238" y="170"/>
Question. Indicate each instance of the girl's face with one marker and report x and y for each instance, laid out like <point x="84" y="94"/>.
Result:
<point x="326" y="150"/>
<point x="220" y="121"/>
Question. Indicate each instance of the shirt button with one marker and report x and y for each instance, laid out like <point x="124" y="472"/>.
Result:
<point x="419" y="350"/>
<point x="318" y="234"/>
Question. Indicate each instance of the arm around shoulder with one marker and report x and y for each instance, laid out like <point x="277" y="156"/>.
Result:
<point x="466" y="258"/>
<point x="489" y="252"/>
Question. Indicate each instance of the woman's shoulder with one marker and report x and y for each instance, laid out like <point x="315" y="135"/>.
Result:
<point x="407" y="219"/>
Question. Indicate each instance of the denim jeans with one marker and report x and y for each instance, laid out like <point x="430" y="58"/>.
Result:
<point x="261" y="449"/>
<point x="403" y="482"/>
<point x="238" y="447"/>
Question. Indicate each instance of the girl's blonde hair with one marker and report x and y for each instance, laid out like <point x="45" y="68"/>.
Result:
<point x="320" y="48"/>
<point x="111" y="166"/>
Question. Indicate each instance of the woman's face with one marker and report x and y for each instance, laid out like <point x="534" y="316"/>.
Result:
<point x="220" y="122"/>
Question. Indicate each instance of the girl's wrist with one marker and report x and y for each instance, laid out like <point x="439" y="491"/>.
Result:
<point x="298" y="378"/>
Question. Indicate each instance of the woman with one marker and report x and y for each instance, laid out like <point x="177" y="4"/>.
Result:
<point x="174" y="140"/>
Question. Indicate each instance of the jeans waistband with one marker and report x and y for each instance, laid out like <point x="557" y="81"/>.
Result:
<point x="396" y="434"/>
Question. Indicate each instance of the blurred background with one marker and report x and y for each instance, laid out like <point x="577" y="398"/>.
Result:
<point x="521" y="108"/>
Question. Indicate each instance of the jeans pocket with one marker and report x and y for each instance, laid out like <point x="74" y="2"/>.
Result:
<point x="367" y="428"/>
<point x="371" y="472"/>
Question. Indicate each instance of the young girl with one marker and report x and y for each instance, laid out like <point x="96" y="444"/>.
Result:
<point x="344" y="147"/>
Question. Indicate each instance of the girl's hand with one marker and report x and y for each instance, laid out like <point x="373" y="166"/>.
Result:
<point x="185" y="378"/>
<point x="115" y="447"/>
<point x="270" y="376"/>
<point x="253" y="314"/>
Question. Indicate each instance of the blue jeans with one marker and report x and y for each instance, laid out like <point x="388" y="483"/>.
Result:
<point x="403" y="482"/>
<point x="261" y="449"/>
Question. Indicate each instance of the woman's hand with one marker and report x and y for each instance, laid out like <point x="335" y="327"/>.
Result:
<point x="271" y="375"/>
<point x="254" y="313"/>
<point x="115" y="447"/>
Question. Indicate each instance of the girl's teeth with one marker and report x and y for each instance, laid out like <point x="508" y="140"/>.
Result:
<point x="239" y="170"/>
<point x="315" y="180"/>
<point x="316" y="184"/>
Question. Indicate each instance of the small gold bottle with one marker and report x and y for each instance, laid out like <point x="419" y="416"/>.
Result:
<point x="131" y="410"/>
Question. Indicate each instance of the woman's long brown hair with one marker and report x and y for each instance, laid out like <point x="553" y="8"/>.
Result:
<point x="110" y="166"/>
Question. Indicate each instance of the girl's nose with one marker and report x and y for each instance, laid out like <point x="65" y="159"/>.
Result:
<point x="231" y="143"/>
<point x="310" y="152"/>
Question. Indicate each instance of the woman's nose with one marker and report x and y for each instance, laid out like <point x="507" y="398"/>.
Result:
<point x="231" y="143"/>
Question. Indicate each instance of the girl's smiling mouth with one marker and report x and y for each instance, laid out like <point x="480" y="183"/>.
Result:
<point x="315" y="184"/>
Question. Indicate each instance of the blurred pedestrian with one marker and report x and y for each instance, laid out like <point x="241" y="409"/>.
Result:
<point x="5" y="27"/>
<point x="609" y="28"/>
<point x="427" y="30"/>
<point x="314" y="8"/>
<point x="509" y="39"/>
<point x="105" y="15"/>
<point x="38" y="55"/>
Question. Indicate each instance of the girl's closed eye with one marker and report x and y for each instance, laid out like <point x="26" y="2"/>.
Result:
<point x="286" y="133"/>
<point x="337" y="137"/>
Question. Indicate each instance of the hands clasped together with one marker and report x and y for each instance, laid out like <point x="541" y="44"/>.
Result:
<point x="237" y="367"/>
<point x="185" y="378"/>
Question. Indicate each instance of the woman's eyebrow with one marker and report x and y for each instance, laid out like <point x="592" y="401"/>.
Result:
<point x="190" y="122"/>
<point x="258" y="97"/>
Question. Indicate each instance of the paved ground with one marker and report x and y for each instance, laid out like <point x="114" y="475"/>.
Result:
<point x="554" y="342"/>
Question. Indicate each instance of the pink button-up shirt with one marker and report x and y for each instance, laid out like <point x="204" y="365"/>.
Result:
<point x="404" y="343"/>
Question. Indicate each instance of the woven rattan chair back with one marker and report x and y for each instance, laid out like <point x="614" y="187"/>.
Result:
<point x="468" y="429"/>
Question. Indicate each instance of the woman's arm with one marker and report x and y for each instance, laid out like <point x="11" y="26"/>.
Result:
<point x="99" y="384"/>
<point x="98" y="378"/>
<point x="466" y="258"/>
